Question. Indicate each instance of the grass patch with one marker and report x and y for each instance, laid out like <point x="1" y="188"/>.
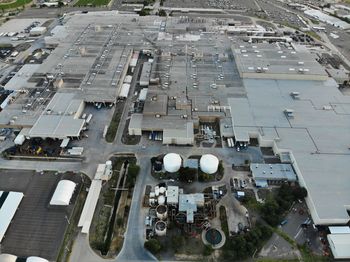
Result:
<point x="92" y="2"/>
<point x="113" y="126"/>
<point x="313" y="35"/>
<point x="223" y="220"/>
<point x="16" y="4"/>
<point x="308" y="256"/>
<point x="98" y="238"/>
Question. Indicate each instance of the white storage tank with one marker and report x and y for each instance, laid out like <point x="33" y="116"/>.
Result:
<point x="152" y="194"/>
<point x="160" y="228"/>
<point x="162" y="212"/>
<point x="172" y="162"/>
<point x="162" y="190"/>
<point x="209" y="164"/>
<point x="161" y="200"/>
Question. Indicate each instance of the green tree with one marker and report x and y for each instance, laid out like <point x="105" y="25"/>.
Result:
<point x="187" y="174"/>
<point x="133" y="171"/>
<point x="177" y="242"/>
<point x="153" y="245"/>
<point x="299" y="193"/>
<point x="162" y="12"/>
<point x="207" y="250"/>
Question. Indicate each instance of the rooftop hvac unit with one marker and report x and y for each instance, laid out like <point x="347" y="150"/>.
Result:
<point x="295" y="95"/>
<point x="289" y="113"/>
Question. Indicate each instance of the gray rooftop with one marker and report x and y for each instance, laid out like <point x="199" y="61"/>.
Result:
<point x="273" y="172"/>
<point x="60" y="118"/>
<point x="277" y="61"/>
<point x="318" y="146"/>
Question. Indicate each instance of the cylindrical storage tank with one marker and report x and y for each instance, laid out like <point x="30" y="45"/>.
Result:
<point x="172" y="162"/>
<point x="162" y="212"/>
<point x="161" y="200"/>
<point x="152" y="194"/>
<point x="209" y="164"/>
<point x="162" y="190"/>
<point x="36" y="259"/>
<point x="160" y="228"/>
<point x="7" y="258"/>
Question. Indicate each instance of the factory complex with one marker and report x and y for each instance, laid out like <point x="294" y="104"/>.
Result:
<point x="215" y="93"/>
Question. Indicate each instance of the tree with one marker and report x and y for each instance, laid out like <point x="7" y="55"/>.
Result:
<point x="153" y="245"/>
<point x="177" y="242"/>
<point x="221" y="169"/>
<point x="207" y="250"/>
<point x="133" y="171"/>
<point x="187" y="174"/>
<point x="299" y="193"/>
<point x="162" y="12"/>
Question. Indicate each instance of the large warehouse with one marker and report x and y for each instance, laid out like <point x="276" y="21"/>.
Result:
<point x="60" y="119"/>
<point x="277" y="61"/>
<point x="316" y="146"/>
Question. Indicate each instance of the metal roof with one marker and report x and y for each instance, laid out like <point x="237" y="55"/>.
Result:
<point x="172" y="195"/>
<point x="59" y="119"/>
<point x="63" y="193"/>
<point x="273" y="172"/>
<point x="8" y="209"/>
<point x="318" y="147"/>
<point x="339" y="244"/>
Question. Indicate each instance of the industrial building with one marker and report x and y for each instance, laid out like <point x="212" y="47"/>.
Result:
<point x="280" y="60"/>
<point x="315" y="145"/>
<point x="323" y="17"/>
<point x="60" y="119"/>
<point x="265" y="174"/>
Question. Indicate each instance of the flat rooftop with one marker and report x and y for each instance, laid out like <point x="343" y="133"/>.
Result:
<point x="273" y="172"/>
<point x="60" y="118"/>
<point x="319" y="147"/>
<point x="277" y="61"/>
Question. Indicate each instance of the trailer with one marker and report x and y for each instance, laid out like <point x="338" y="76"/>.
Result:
<point x="88" y="119"/>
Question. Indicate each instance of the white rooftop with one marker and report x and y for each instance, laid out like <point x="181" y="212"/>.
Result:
<point x="172" y="194"/>
<point x="60" y="118"/>
<point x="339" y="244"/>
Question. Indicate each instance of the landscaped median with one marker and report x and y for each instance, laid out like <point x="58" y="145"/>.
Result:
<point x="14" y="4"/>
<point x="92" y="3"/>
<point x="111" y="216"/>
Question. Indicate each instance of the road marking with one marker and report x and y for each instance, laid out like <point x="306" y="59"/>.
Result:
<point x="299" y="231"/>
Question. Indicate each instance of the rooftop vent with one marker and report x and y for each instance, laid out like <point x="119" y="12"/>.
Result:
<point x="295" y="95"/>
<point x="289" y="113"/>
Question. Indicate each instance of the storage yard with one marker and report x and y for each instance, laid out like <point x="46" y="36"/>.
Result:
<point x="38" y="226"/>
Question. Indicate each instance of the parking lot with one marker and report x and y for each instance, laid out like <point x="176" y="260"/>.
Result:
<point x="37" y="228"/>
<point x="300" y="228"/>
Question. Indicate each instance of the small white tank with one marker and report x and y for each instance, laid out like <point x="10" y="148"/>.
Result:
<point x="162" y="190"/>
<point x="161" y="200"/>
